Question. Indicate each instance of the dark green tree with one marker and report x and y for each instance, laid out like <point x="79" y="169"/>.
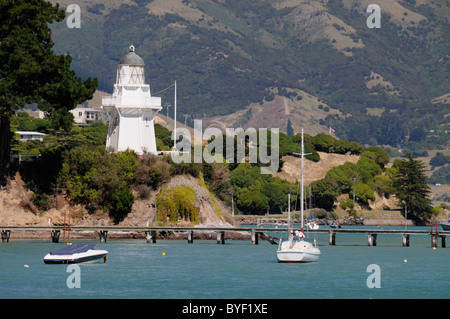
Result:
<point x="411" y="188"/>
<point x="417" y="134"/>
<point x="439" y="160"/>
<point x="376" y="153"/>
<point x="325" y="192"/>
<point x="289" y="129"/>
<point x="122" y="202"/>
<point x="31" y="72"/>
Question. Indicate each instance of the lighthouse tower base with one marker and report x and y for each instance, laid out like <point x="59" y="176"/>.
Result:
<point x="132" y="128"/>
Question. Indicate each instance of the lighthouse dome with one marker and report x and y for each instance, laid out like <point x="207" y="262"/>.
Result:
<point x="132" y="58"/>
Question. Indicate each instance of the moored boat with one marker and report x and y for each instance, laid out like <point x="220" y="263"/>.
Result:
<point x="292" y="251"/>
<point x="445" y="225"/>
<point x="297" y="250"/>
<point x="76" y="253"/>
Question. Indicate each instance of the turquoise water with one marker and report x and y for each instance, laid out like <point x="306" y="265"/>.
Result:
<point x="236" y="270"/>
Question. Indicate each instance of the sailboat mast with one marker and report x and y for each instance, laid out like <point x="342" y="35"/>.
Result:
<point x="175" y="117"/>
<point x="289" y="217"/>
<point x="301" y="193"/>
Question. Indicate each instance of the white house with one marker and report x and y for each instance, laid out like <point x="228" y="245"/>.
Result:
<point x="25" y="136"/>
<point x="86" y="115"/>
<point x="131" y="109"/>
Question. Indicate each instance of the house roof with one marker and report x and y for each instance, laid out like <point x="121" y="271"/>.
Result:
<point x="88" y="109"/>
<point x="30" y="133"/>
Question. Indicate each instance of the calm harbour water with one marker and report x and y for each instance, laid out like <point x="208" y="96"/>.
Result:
<point x="236" y="270"/>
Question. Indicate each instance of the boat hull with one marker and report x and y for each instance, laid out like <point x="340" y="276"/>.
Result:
<point x="445" y="226"/>
<point x="296" y="257"/>
<point x="93" y="257"/>
<point x="297" y="252"/>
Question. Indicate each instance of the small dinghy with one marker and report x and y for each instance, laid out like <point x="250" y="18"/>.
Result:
<point x="76" y="253"/>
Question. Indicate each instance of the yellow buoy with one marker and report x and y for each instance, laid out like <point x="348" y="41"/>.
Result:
<point x="163" y="254"/>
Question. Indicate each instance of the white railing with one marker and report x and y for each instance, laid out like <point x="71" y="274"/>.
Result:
<point x="119" y="101"/>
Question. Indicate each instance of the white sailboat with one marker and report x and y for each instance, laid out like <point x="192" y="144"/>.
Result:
<point x="297" y="250"/>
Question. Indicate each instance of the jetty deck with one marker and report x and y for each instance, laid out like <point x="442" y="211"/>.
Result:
<point x="151" y="232"/>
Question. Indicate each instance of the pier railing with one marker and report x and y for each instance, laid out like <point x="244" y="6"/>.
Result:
<point x="151" y="233"/>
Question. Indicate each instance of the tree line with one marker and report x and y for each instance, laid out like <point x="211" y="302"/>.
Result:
<point x="77" y="165"/>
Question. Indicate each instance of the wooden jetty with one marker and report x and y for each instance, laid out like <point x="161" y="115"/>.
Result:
<point x="372" y="235"/>
<point x="151" y="233"/>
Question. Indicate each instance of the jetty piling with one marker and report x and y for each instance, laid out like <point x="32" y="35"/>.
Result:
<point x="221" y="237"/>
<point x="5" y="235"/>
<point x="55" y="235"/>
<point x="435" y="235"/>
<point x="405" y="240"/>
<point x="433" y="241"/>
<point x="150" y="236"/>
<point x="102" y="234"/>
<point x="332" y="238"/>
<point x="254" y="237"/>
<point x="372" y="239"/>
<point x="190" y="237"/>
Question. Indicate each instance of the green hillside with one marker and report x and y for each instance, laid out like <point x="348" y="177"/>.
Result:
<point x="387" y="83"/>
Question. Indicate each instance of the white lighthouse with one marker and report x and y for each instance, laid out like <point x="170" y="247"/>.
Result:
<point x="131" y="109"/>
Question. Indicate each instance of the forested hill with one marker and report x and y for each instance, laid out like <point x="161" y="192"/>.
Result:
<point x="389" y="84"/>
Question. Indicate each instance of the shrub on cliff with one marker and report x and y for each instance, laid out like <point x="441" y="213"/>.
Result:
<point x="153" y="171"/>
<point x="363" y="193"/>
<point x="177" y="202"/>
<point x="122" y="202"/>
<point x="377" y="154"/>
<point x="383" y="185"/>
<point x="328" y="144"/>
